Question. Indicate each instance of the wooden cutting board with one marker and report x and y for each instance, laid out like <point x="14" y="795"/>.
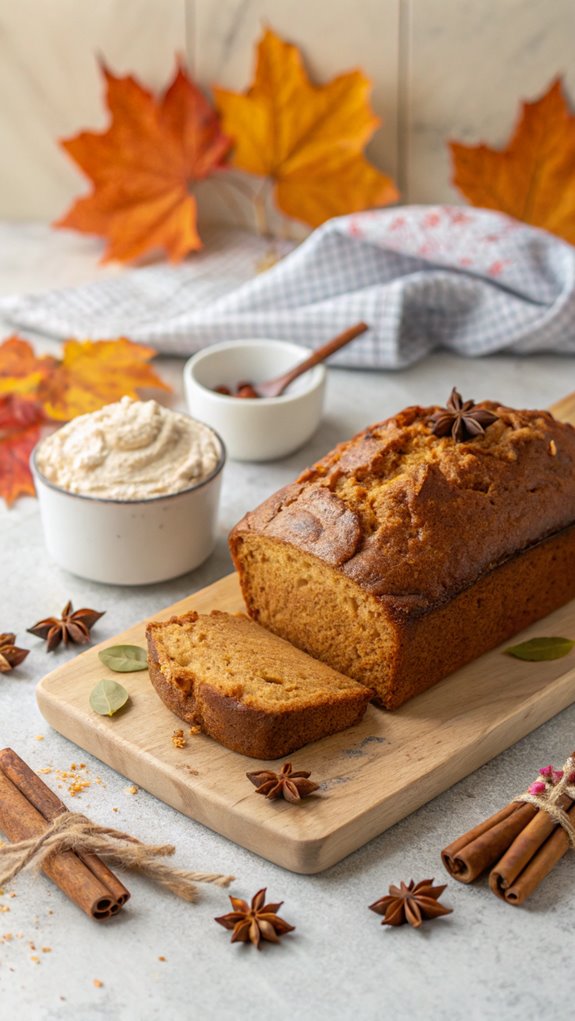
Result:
<point x="371" y="775"/>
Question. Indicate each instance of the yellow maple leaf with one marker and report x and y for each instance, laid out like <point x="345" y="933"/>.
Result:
<point x="533" y="178"/>
<point x="96" y="372"/>
<point x="143" y="168"/>
<point x="307" y="139"/>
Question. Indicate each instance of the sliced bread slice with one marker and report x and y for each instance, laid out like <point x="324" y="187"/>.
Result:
<point x="250" y="690"/>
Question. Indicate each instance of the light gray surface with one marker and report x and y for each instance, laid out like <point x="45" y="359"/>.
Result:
<point x="486" y="961"/>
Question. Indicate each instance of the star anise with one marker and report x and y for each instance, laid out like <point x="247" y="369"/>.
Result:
<point x="252" y="924"/>
<point x="10" y="655"/>
<point x="73" y="626"/>
<point x="461" y="418"/>
<point x="285" y="784"/>
<point x="411" y="903"/>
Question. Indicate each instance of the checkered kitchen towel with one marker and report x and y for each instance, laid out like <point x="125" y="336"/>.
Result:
<point x="423" y="277"/>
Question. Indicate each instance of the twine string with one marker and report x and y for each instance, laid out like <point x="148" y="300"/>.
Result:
<point x="548" y="800"/>
<point x="72" y="831"/>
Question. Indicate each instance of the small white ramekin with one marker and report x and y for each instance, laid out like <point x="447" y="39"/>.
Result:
<point x="130" y="542"/>
<point x="259" y="429"/>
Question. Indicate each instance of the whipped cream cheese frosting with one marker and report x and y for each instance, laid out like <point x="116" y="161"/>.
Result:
<point x="129" y="450"/>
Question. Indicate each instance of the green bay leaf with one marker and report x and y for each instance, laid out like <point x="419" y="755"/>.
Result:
<point x="537" y="649"/>
<point x="107" y="697"/>
<point x="124" y="659"/>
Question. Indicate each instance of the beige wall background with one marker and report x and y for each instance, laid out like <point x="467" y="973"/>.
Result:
<point x="440" y="68"/>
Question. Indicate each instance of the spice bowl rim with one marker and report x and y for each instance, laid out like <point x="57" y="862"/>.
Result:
<point x="315" y="376"/>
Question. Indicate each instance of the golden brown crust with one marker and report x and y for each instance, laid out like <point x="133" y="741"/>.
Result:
<point x="263" y="735"/>
<point x="415" y="519"/>
<point x="422" y="553"/>
<point x="506" y="600"/>
<point x="258" y="733"/>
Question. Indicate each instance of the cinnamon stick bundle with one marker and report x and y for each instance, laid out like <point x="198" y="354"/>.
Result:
<point x="531" y="857"/>
<point x="476" y="851"/>
<point x="27" y="807"/>
<point x="522" y="842"/>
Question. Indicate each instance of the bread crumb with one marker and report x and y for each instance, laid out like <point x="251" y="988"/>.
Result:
<point x="178" y="739"/>
<point x="77" y="786"/>
<point x="131" y="790"/>
<point x="46" y="950"/>
<point x="36" y="960"/>
<point x="552" y="448"/>
<point x="39" y="737"/>
<point x="45" y="771"/>
<point x="161" y="958"/>
<point x="4" y="908"/>
<point x="97" y="983"/>
<point x="195" y="730"/>
<point x="71" y="779"/>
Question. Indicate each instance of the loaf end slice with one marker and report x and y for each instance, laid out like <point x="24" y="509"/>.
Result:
<point x="246" y="687"/>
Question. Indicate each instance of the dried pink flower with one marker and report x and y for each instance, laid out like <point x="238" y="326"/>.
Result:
<point x="546" y="771"/>
<point x="537" y="788"/>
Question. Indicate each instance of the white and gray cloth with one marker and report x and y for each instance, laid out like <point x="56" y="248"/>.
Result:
<point x="423" y="277"/>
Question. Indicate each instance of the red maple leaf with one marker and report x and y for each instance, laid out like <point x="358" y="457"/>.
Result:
<point x="20" y="422"/>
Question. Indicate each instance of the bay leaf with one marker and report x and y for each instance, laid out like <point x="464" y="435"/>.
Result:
<point x="107" y="697"/>
<point x="124" y="659"/>
<point x="537" y="649"/>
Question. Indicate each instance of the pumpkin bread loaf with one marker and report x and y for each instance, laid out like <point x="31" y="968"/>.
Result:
<point x="404" y="554"/>
<point x="248" y="689"/>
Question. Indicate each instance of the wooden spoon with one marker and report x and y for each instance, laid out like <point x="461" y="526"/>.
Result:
<point x="275" y="387"/>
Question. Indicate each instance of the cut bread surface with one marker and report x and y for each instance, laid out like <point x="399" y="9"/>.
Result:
<point x="332" y="618"/>
<point x="247" y="687"/>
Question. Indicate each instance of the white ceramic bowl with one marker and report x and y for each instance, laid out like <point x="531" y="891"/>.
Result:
<point x="259" y="429"/>
<point x="130" y="542"/>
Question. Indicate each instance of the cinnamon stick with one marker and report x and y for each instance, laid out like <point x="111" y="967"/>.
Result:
<point x="480" y="848"/>
<point x="27" y="807"/>
<point x="531" y="857"/>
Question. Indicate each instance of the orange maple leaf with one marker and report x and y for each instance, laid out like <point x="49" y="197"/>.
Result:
<point x="533" y="178"/>
<point x="20" y="369"/>
<point x="307" y="139"/>
<point x="144" y="166"/>
<point x="95" y="372"/>
<point x="20" y="423"/>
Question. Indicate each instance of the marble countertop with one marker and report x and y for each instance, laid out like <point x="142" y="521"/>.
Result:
<point x="162" y="958"/>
